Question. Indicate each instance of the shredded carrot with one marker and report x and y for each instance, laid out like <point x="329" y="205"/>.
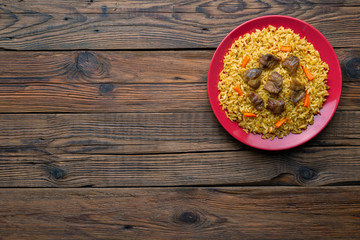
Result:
<point x="307" y="73"/>
<point x="249" y="115"/>
<point x="245" y="61"/>
<point x="238" y="90"/>
<point x="280" y="122"/>
<point x="307" y="100"/>
<point x="285" y="48"/>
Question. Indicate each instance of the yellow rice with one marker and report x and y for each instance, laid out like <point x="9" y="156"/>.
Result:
<point x="261" y="42"/>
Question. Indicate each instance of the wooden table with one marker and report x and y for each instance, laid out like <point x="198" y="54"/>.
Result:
<point x="106" y="131"/>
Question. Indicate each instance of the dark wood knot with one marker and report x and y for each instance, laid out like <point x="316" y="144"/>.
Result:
<point x="90" y="65"/>
<point x="189" y="217"/>
<point x="196" y="219"/>
<point x="56" y="173"/>
<point x="128" y="227"/>
<point x="231" y="7"/>
<point x="103" y="11"/>
<point x="87" y="62"/>
<point x="352" y="68"/>
<point x="307" y="173"/>
<point x="106" y="87"/>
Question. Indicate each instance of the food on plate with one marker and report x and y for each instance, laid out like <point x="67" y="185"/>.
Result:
<point x="291" y="64"/>
<point x="276" y="106"/>
<point x="307" y="100"/>
<point x="245" y="61"/>
<point x="249" y="115"/>
<point x="297" y="91"/>
<point x="252" y="77"/>
<point x="256" y="100"/>
<point x="307" y="73"/>
<point x="269" y="61"/>
<point x="273" y="82"/>
<point x="238" y="90"/>
<point x="285" y="48"/>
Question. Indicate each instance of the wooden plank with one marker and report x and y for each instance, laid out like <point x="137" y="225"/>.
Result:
<point x="105" y="98"/>
<point x="308" y="166"/>
<point x="113" y="7"/>
<point x="103" y="82"/>
<point x="109" y="66"/>
<point x="126" y="66"/>
<point x="141" y="133"/>
<point x="183" y="213"/>
<point x="184" y="24"/>
<point x="95" y="98"/>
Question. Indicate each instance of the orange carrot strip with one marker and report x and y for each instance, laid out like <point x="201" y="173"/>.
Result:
<point x="280" y="122"/>
<point x="245" y="61"/>
<point x="285" y="48"/>
<point x="307" y="73"/>
<point x="238" y="90"/>
<point x="249" y="115"/>
<point x="307" y="100"/>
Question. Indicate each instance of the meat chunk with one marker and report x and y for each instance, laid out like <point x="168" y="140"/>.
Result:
<point x="275" y="106"/>
<point x="269" y="61"/>
<point x="296" y="85"/>
<point x="274" y="84"/>
<point x="253" y="73"/>
<point x="291" y="64"/>
<point x="252" y="77"/>
<point x="256" y="100"/>
<point x="297" y="91"/>
<point x="295" y="96"/>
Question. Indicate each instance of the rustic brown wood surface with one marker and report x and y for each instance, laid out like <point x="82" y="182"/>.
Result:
<point x="102" y="82"/>
<point x="106" y="131"/>
<point x="181" y="213"/>
<point x="91" y="24"/>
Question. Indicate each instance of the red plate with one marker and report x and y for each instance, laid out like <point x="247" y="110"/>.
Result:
<point x="327" y="54"/>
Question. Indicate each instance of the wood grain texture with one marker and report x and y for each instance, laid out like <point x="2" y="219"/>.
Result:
<point x="141" y="133"/>
<point x="107" y="98"/>
<point x="48" y="25"/>
<point x="106" y="131"/>
<point x="89" y="6"/>
<point x="121" y="67"/>
<point x="127" y="67"/>
<point x="124" y="81"/>
<point x="182" y="213"/>
<point x="308" y="166"/>
<point x="99" y="98"/>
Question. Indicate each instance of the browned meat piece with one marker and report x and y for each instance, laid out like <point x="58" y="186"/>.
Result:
<point x="254" y="83"/>
<point x="297" y="91"/>
<point x="296" y="85"/>
<point x="253" y="73"/>
<point x="291" y="64"/>
<point x="256" y="100"/>
<point x="274" y="84"/>
<point x="295" y="96"/>
<point x="269" y="61"/>
<point x="252" y="77"/>
<point x="275" y="106"/>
